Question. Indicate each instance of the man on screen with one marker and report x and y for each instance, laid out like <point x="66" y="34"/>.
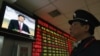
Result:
<point x="18" y="25"/>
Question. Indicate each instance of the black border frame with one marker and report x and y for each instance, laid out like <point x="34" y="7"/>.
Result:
<point x="7" y="32"/>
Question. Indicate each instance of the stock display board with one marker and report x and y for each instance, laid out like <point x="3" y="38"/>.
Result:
<point x="50" y="41"/>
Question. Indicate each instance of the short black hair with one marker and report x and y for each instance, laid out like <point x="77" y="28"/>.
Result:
<point x="21" y="15"/>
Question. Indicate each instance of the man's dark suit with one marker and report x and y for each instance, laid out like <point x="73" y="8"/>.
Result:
<point x="88" y="47"/>
<point x="15" y="25"/>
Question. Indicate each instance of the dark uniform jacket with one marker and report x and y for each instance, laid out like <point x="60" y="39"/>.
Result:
<point x="88" y="47"/>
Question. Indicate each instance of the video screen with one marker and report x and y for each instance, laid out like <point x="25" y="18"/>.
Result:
<point x="19" y="22"/>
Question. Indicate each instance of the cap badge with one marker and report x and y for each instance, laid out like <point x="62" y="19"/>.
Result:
<point x="74" y="14"/>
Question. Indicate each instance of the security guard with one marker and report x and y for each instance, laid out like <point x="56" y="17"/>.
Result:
<point x="82" y="28"/>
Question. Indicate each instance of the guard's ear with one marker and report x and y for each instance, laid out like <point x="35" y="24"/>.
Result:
<point x="86" y="27"/>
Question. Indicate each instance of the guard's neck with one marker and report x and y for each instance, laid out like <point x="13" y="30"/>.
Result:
<point x="84" y="36"/>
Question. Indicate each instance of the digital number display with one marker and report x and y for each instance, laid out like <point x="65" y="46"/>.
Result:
<point x="51" y="40"/>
